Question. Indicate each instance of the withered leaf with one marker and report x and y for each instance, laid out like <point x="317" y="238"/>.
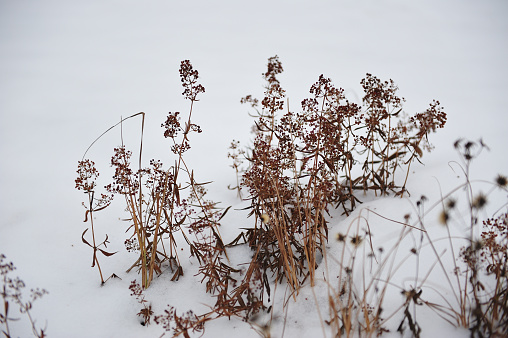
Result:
<point x="105" y="253"/>
<point x="84" y="240"/>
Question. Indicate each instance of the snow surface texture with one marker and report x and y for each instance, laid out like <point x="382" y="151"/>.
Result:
<point x="71" y="69"/>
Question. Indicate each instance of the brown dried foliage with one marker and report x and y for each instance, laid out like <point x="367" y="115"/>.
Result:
<point x="301" y="164"/>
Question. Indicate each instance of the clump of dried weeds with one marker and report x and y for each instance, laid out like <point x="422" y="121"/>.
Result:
<point x="302" y="164"/>
<point x="300" y="167"/>
<point x="165" y="204"/>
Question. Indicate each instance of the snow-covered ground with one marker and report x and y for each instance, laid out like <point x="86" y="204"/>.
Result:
<point x="69" y="70"/>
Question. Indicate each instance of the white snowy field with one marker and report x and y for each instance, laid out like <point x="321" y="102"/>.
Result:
<point x="69" y="70"/>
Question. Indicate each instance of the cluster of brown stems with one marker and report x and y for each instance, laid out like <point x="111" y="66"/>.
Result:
<point x="162" y="203"/>
<point x="299" y="167"/>
<point x="302" y="164"/>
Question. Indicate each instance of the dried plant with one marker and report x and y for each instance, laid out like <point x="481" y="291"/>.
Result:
<point x="236" y="155"/>
<point x="146" y="312"/>
<point x="161" y="204"/>
<point x="476" y="273"/>
<point x="86" y="181"/>
<point x="180" y="325"/>
<point x="390" y="140"/>
<point x="493" y="255"/>
<point x="166" y="204"/>
<point x="302" y="164"/>
<point x="299" y="167"/>
<point x="356" y="301"/>
<point x="12" y="294"/>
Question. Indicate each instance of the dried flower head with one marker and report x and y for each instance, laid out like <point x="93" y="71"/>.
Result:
<point x="340" y="237"/>
<point x="443" y="217"/>
<point x="450" y="204"/>
<point x="274" y="67"/>
<point x="250" y="100"/>
<point x="378" y="93"/>
<point x="430" y="120"/>
<point x="501" y="181"/>
<point x="479" y="201"/>
<point x="356" y="240"/>
<point x="189" y="78"/>
<point x="469" y="149"/>
<point x="87" y="174"/>
<point x="172" y="125"/>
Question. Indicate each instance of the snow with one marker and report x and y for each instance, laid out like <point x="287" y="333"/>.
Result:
<point x="69" y="70"/>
